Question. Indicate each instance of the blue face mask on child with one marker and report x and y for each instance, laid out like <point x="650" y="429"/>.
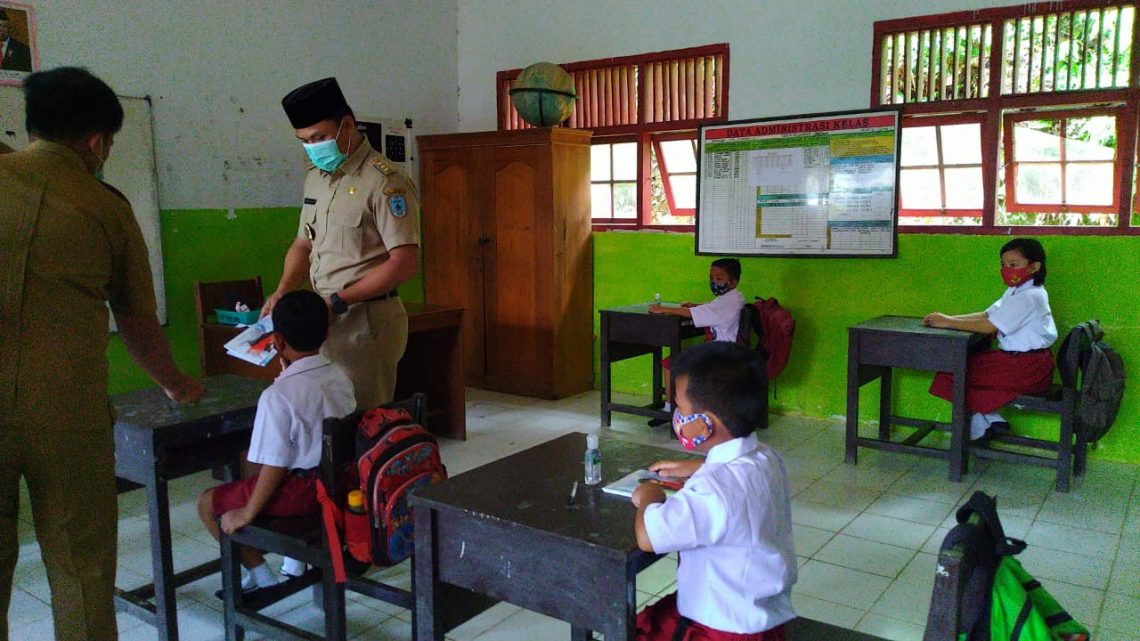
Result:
<point x="326" y="155"/>
<point x="719" y="289"/>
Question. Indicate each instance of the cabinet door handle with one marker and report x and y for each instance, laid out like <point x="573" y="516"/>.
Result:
<point x="484" y="241"/>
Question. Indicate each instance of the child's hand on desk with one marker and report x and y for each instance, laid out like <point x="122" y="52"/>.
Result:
<point x="657" y="309"/>
<point x="676" y="469"/>
<point x="185" y="389"/>
<point x="936" y="319"/>
<point x="647" y="493"/>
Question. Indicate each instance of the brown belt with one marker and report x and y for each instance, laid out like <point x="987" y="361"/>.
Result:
<point x="392" y="294"/>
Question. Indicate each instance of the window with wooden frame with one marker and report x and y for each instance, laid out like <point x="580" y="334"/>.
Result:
<point x="1047" y="92"/>
<point x="649" y="107"/>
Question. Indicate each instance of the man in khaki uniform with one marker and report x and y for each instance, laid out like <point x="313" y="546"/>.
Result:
<point x="358" y="240"/>
<point x="69" y="245"/>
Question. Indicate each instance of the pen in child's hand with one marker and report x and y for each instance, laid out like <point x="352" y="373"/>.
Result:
<point x="573" y="493"/>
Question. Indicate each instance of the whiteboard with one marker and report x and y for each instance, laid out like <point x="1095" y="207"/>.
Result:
<point x="130" y="168"/>
<point x="813" y="185"/>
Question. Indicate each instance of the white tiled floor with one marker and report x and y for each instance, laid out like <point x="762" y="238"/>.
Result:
<point x="867" y="535"/>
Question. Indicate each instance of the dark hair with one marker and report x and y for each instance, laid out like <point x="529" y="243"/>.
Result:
<point x="731" y="266"/>
<point x="302" y="319"/>
<point x="727" y="379"/>
<point x="1032" y="250"/>
<point x="66" y="104"/>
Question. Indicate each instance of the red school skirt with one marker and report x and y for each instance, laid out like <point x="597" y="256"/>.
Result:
<point x="995" y="378"/>
<point x="662" y="622"/>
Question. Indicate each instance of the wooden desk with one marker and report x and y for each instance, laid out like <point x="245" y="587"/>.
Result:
<point x="157" y="440"/>
<point x="505" y="531"/>
<point x="432" y="364"/>
<point x="632" y="331"/>
<point x="876" y="346"/>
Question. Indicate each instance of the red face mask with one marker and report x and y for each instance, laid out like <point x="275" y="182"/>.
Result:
<point x="1014" y="276"/>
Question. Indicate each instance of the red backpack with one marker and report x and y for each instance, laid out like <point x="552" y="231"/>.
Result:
<point x="776" y="328"/>
<point x="394" y="455"/>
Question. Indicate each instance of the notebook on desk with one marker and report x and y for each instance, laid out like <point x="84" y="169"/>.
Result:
<point x="628" y="483"/>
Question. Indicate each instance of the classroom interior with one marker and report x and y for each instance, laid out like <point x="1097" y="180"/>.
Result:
<point x="230" y="172"/>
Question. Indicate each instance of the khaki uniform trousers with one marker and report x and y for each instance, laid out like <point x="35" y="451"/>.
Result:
<point x="70" y="472"/>
<point x="367" y="342"/>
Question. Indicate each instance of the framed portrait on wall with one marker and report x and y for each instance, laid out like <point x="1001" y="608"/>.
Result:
<point x="19" y="55"/>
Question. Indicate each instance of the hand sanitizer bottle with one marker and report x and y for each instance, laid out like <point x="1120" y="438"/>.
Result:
<point x="593" y="460"/>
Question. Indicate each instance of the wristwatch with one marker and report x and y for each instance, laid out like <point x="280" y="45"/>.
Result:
<point x="338" y="305"/>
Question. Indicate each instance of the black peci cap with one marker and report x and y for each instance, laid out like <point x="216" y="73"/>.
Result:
<point x="311" y="103"/>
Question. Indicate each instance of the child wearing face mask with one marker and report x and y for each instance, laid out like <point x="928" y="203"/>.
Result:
<point x="731" y="523"/>
<point x="285" y="448"/>
<point x="1023" y="322"/>
<point x="720" y="317"/>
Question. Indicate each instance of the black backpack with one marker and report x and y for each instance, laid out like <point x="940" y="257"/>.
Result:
<point x="1095" y="369"/>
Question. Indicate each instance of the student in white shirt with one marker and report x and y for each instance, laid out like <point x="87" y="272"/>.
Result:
<point x="731" y="522"/>
<point x="720" y="317"/>
<point x="285" y="448"/>
<point x="1023" y="322"/>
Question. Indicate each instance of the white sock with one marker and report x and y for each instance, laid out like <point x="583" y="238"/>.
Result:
<point x="668" y="406"/>
<point x="292" y="567"/>
<point x="263" y="576"/>
<point x="247" y="582"/>
<point x="979" y="423"/>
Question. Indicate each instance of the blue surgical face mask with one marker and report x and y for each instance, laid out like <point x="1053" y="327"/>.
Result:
<point x="719" y="289"/>
<point x="326" y="155"/>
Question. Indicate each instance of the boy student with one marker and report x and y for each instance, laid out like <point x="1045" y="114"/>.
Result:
<point x="721" y="315"/>
<point x="285" y="448"/>
<point x="732" y="521"/>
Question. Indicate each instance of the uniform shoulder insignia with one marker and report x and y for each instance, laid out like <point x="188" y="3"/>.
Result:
<point x="116" y="192"/>
<point x="382" y="166"/>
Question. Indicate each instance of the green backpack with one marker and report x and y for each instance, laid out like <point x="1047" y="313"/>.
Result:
<point x="1000" y="600"/>
<point x="1022" y="610"/>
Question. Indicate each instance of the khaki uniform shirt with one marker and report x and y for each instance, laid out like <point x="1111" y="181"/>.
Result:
<point x="352" y="216"/>
<point x="68" y="246"/>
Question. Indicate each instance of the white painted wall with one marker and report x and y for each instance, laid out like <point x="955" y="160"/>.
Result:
<point x="217" y="69"/>
<point x="786" y="56"/>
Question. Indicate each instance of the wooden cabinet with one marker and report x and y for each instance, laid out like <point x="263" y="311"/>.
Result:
<point x="506" y="235"/>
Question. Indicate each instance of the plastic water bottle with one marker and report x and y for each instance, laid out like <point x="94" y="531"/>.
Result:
<point x="593" y="460"/>
<point x="356" y="533"/>
<point x="657" y="299"/>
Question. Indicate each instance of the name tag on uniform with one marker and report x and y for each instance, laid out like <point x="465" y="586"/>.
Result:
<point x="310" y="201"/>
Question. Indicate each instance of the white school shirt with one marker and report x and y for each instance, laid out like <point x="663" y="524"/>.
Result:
<point x="287" y="427"/>
<point x="1023" y="318"/>
<point x="732" y="524"/>
<point x="721" y="314"/>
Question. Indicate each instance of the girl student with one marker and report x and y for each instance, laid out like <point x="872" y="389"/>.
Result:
<point x="1023" y="322"/>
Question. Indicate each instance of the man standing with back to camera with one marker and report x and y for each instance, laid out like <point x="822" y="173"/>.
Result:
<point x="69" y="246"/>
<point x="357" y="241"/>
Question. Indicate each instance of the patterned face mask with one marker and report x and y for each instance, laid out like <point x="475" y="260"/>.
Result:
<point x="719" y="289"/>
<point x="680" y="420"/>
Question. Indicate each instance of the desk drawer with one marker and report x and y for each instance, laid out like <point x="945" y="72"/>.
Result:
<point x="912" y="352"/>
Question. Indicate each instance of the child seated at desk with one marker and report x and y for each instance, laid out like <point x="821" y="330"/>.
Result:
<point x="1024" y="325"/>
<point x="279" y="477"/>
<point x="720" y="317"/>
<point x="732" y="521"/>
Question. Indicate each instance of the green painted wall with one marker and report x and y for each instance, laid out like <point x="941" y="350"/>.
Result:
<point x="208" y="245"/>
<point x="1089" y="277"/>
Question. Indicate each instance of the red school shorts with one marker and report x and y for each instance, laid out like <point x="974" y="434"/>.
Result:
<point x="659" y="622"/>
<point x="296" y="496"/>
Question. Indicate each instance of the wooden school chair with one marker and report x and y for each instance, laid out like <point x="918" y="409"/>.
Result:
<point x="304" y="539"/>
<point x="1068" y="454"/>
